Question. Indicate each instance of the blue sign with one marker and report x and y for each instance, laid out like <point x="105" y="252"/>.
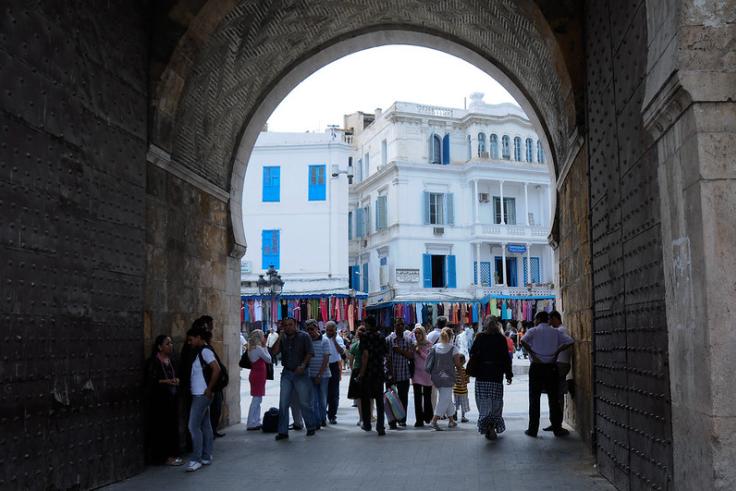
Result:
<point x="516" y="248"/>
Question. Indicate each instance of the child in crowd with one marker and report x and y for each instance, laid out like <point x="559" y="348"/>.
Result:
<point x="460" y="391"/>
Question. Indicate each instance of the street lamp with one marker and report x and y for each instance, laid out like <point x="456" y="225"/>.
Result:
<point x="271" y="287"/>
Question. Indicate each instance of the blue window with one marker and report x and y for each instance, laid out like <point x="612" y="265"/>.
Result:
<point x="381" y="213"/>
<point x="439" y="271"/>
<point x="511" y="271"/>
<point x="505" y="147"/>
<point x="481" y="144"/>
<point x="536" y="272"/>
<point x="317" y="183"/>
<point x="540" y="152"/>
<point x="529" y="150"/>
<point x="446" y="149"/>
<point x="270" y="248"/>
<point x="494" y="146"/>
<point x="350" y="225"/>
<point x="439" y="208"/>
<point x="435" y="149"/>
<point x="365" y="277"/>
<point x="271" y="184"/>
<point x="355" y="277"/>
<point x="359" y="223"/>
<point x="485" y="273"/>
<point x="470" y="148"/>
<point x="517" y="148"/>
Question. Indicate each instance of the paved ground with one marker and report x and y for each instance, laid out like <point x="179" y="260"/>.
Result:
<point x="343" y="457"/>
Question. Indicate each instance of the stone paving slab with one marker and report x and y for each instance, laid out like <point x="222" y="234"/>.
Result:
<point x="343" y="457"/>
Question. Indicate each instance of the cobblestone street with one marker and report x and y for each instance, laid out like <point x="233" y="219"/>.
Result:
<point x="342" y="457"/>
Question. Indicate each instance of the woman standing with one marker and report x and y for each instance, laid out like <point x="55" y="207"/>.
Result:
<point x="444" y="359"/>
<point x="162" y="385"/>
<point x="421" y="380"/>
<point x="354" y="391"/>
<point x="490" y="361"/>
<point x="259" y="357"/>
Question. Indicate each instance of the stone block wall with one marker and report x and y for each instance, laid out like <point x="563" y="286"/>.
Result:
<point x="73" y="91"/>
<point x="573" y="205"/>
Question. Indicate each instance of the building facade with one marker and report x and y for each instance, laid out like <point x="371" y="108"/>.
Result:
<point x="295" y="212"/>
<point x="449" y="204"/>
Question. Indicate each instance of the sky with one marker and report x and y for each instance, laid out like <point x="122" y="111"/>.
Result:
<point x="378" y="77"/>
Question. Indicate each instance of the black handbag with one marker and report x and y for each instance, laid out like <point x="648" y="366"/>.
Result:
<point x="245" y="361"/>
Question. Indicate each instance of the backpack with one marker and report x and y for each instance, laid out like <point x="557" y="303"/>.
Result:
<point x="270" y="421"/>
<point x="224" y="376"/>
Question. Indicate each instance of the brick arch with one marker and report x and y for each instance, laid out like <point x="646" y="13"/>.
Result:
<point x="233" y="55"/>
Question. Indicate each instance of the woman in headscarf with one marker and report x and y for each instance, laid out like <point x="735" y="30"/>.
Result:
<point x="489" y="362"/>
<point x="259" y="357"/>
<point x="443" y="360"/>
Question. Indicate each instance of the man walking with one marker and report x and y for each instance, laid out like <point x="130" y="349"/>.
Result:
<point x="563" y="362"/>
<point x="543" y="343"/>
<point x="400" y="351"/>
<point x="319" y="372"/>
<point x="371" y="376"/>
<point x="296" y="350"/>
<point x="337" y="350"/>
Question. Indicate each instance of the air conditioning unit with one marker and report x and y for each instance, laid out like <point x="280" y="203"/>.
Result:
<point x="482" y="197"/>
<point x="439" y="230"/>
<point x="483" y="155"/>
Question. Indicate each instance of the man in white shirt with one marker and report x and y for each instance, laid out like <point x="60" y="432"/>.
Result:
<point x="461" y="342"/>
<point x="434" y="336"/>
<point x="543" y="343"/>
<point x="337" y="349"/>
<point x="563" y="361"/>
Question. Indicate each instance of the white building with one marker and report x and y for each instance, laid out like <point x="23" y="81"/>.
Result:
<point x="442" y="193"/>
<point x="295" y="213"/>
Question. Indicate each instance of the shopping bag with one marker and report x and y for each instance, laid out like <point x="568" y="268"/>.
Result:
<point x="394" y="410"/>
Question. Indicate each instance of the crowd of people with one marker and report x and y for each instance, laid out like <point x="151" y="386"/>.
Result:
<point x="436" y="365"/>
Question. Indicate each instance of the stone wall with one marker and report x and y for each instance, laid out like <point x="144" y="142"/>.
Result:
<point x="73" y="136"/>
<point x="573" y="215"/>
<point x="189" y="272"/>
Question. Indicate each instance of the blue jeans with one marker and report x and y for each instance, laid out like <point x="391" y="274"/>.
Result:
<point x="200" y="428"/>
<point x="319" y="399"/>
<point x="303" y="387"/>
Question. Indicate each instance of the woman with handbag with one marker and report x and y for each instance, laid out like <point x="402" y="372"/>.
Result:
<point x="489" y="362"/>
<point x="259" y="357"/>
<point x="442" y="362"/>
<point x="421" y="380"/>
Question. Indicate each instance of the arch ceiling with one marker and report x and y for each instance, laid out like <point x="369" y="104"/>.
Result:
<point x="232" y="54"/>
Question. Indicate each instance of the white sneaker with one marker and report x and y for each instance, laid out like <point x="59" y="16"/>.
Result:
<point x="193" y="466"/>
<point x="206" y="461"/>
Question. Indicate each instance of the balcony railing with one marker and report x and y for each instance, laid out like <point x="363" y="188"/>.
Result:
<point x="498" y="229"/>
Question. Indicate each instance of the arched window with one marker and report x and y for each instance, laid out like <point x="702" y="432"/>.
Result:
<point x="517" y="148"/>
<point x="494" y="146"/>
<point x="481" y="144"/>
<point x="435" y="149"/>
<point x="540" y="152"/>
<point x="470" y="148"/>
<point x="505" y="147"/>
<point x="529" y="150"/>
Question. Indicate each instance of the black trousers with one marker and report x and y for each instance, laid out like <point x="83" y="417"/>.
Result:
<point x="372" y="389"/>
<point x="544" y="377"/>
<point x="402" y="390"/>
<point x="333" y="390"/>
<point x="423" y="403"/>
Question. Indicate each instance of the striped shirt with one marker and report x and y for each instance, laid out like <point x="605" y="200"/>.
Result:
<point x="321" y="348"/>
<point x="461" y="382"/>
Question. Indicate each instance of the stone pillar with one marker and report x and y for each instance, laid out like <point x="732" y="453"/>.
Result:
<point x="697" y="179"/>
<point x="503" y="218"/>
<point x="475" y="202"/>
<point x="529" y="262"/>
<point x="526" y="202"/>
<point x="478" y="282"/>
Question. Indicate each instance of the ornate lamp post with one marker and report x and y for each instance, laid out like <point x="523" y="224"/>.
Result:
<point x="271" y="287"/>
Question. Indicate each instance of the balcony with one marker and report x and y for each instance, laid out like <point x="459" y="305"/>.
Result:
<point x="486" y="231"/>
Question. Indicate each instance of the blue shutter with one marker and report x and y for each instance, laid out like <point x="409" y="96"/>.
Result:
<point x="355" y="277"/>
<point x="425" y="204"/>
<point x="359" y="223"/>
<point x="350" y="225"/>
<point x="449" y="209"/>
<point x="317" y="183"/>
<point x="427" y="270"/>
<point x="365" y="277"/>
<point x="271" y="184"/>
<point x="513" y="274"/>
<point x="526" y="272"/>
<point x="270" y="248"/>
<point x="536" y="270"/>
<point x="485" y="273"/>
<point x="451" y="279"/>
<point x="475" y="273"/>
<point x="446" y="149"/>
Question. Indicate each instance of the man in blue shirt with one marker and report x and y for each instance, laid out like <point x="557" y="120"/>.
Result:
<point x="543" y="343"/>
